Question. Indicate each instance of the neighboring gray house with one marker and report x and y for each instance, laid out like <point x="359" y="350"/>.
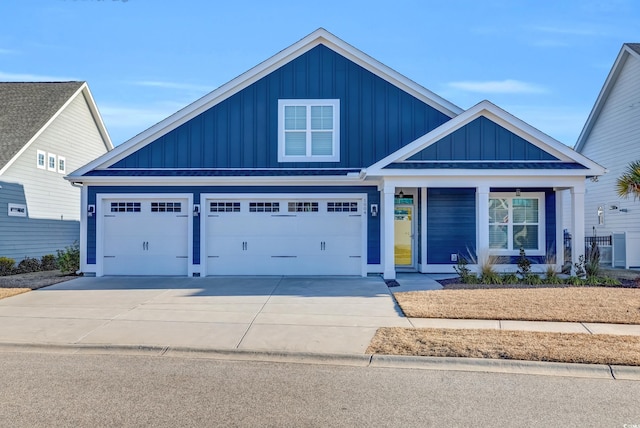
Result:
<point x="611" y="137"/>
<point x="47" y="130"/>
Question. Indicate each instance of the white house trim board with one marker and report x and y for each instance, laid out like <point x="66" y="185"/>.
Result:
<point x="608" y="86"/>
<point x="320" y="36"/>
<point x="205" y="198"/>
<point x="502" y="118"/>
<point x="100" y="236"/>
<point x="83" y="89"/>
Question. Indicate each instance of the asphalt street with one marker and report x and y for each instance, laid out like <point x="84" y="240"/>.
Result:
<point x="62" y="389"/>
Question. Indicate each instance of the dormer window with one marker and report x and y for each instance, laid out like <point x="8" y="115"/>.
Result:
<point x="308" y="130"/>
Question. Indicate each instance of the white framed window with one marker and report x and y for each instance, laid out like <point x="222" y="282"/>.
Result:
<point x="516" y="222"/>
<point x="51" y="162"/>
<point x="309" y="130"/>
<point x="41" y="159"/>
<point x="224" y="207"/>
<point x="126" y="207"/>
<point x="264" y="207"/>
<point x="62" y="165"/>
<point x="166" y="207"/>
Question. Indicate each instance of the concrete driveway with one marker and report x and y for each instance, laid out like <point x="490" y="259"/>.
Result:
<point x="319" y="315"/>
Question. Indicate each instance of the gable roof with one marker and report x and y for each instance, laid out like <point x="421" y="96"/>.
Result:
<point x="27" y="108"/>
<point x="320" y="36"/>
<point x="627" y="50"/>
<point x="501" y="117"/>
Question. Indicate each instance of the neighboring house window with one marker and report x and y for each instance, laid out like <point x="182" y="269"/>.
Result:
<point x="516" y="222"/>
<point x="62" y="165"/>
<point x="51" y="162"/>
<point x="309" y="130"/>
<point x="41" y="159"/>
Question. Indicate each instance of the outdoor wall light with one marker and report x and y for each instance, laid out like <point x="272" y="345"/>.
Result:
<point x="517" y="192"/>
<point x="196" y="210"/>
<point x="374" y="210"/>
<point x="91" y="210"/>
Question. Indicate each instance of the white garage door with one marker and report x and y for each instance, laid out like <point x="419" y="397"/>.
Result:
<point x="145" y="236"/>
<point x="284" y="237"/>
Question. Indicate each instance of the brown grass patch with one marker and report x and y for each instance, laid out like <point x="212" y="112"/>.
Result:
<point x="8" y="292"/>
<point x="512" y="345"/>
<point x="573" y="304"/>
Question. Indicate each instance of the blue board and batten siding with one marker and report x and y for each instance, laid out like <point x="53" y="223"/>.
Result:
<point x="373" y="197"/>
<point x="376" y="119"/>
<point x="482" y="140"/>
<point x="451" y="224"/>
<point x="22" y="237"/>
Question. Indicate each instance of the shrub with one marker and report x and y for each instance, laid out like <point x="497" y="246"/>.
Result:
<point x="551" y="276"/>
<point x="605" y="280"/>
<point x="464" y="272"/>
<point x="592" y="264"/>
<point x="510" y="278"/>
<point x="532" y="279"/>
<point x="6" y="266"/>
<point x="524" y="264"/>
<point x="48" y="262"/>
<point x="29" y="264"/>
<point x="579" y="267"/>
<point x="574" y="280"/>
<point x="69" y="259"/>
<point x="488" y="274"/>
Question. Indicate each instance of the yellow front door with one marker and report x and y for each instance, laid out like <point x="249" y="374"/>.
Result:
<point x="403" y="226"/>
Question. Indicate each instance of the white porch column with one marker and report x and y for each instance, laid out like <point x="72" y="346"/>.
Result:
<point x="482" y="202"/>
<point x="423" y="229"/>
<point x="577" y="232"/>
<point x="388" y="235"/>
<point x="559" y="230"/>
<point x="84" y="198"/>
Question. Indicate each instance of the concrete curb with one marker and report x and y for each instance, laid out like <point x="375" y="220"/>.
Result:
<point x="593" y="371"/>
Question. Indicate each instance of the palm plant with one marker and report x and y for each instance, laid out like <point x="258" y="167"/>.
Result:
<point x="629" y="182"/>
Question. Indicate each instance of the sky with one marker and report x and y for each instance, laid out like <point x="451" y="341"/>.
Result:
<point x="543" y="61"/>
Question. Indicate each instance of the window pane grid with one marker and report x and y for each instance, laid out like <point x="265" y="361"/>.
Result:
<point x="264" y="207"/>
<point x="309" y="130"/>
<point x="224" y="207"/>
<point x="166" y="207"/>
<point x="336" y="207"/>
<point x="125" y="207"/>
<point x="514" y="223"/>
<point x="303" y="207"/>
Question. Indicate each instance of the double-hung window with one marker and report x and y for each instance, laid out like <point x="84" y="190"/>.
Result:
<point x="516" y="222"/>
<point x="309" y="130"/>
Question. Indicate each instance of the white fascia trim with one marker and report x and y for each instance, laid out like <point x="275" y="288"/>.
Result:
<point x="500" y="117"/>
<point x="221" y="181"/>
<point x="555" y="182"/>
<point x="320" y="36"/>
<point x="96" y="116"/>
<point x="477" y="173"/>
<point x="609" y="83"/>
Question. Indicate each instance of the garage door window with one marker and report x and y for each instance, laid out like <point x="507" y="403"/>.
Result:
<point x="303" y="207"/>
<point x="125" y="207"/>
<point x="342" y="207"/>
<point x="264" y="207"/>
<point x="224" y="207"/>
<point x="166" y="207"/>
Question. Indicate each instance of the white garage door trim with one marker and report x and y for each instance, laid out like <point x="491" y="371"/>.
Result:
<point x="205" y="198"/>
<point x="101" y="198"/>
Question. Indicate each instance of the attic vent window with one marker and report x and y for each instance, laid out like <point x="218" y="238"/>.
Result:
<point x="308" y="130"/>
<point x="41" y="159"/>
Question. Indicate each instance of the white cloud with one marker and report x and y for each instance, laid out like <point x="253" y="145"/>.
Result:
<point x="6" y="51"/>
<point x="508" y="86"/>
<point x="26" y="77"/>
<point x="174" y="85"/>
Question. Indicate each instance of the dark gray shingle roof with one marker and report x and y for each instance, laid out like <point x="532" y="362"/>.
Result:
<point x="634" y="46"/>
<point x="24" y="109"/>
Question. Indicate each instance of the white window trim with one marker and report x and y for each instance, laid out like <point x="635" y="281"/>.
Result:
<point x="63" y="159"/>
<point x="335" y="157"/>
<point x="55" y="162"/>
<point x="542" y="224"/>
<point x="44" y="155"/>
